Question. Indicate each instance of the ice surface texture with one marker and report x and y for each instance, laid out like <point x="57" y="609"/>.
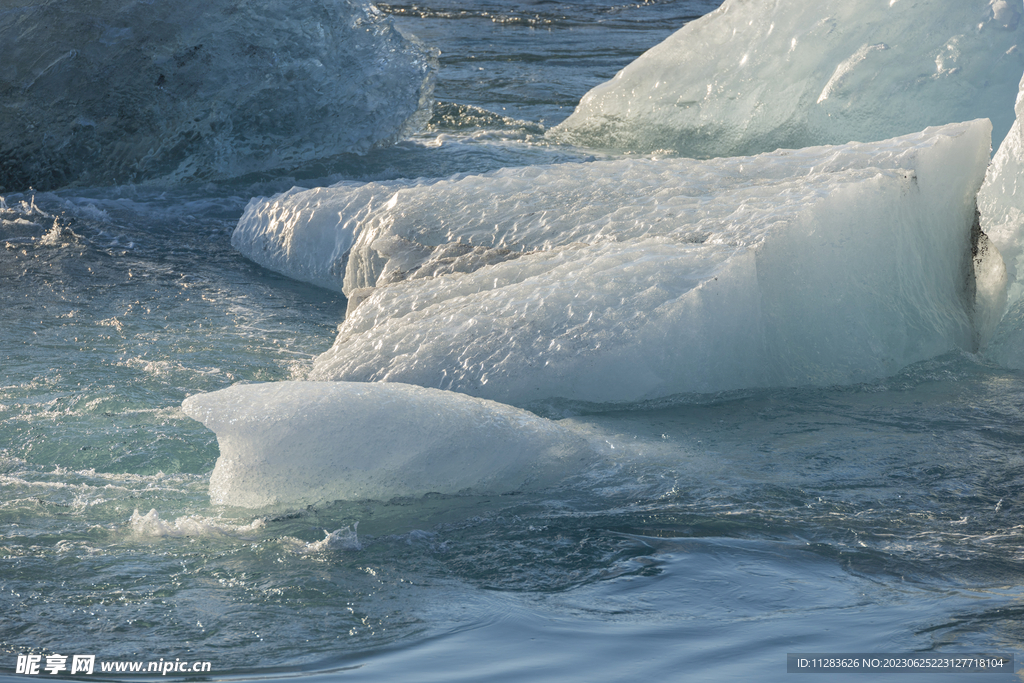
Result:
<point x="289" y="444"/>
<point x="307" y="234"/>
<point x="628" y="280"/>
<point x="111" y="91"/>
<point x="758" y="75"/>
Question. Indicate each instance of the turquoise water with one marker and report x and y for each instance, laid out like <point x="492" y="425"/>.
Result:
<point x="714" y="538"/>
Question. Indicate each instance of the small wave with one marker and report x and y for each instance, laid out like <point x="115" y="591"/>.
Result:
<point x="451" y="116"/>
<point x="342" y="539"/>
<point x="151" y="525"/>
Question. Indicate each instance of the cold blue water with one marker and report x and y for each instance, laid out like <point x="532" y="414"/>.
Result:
<point x="719" y="534"/>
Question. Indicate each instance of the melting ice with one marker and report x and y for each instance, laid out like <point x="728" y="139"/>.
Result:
<point x="622" y="281"/>
<point x="755" y="76"/>
<point x="303" y="443"/>
<point x="637" y="279"/>
<point x="114" y="91"/>
<point x="632" y="280"/>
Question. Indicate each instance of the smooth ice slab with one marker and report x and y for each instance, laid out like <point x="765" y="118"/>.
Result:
<point x="114" y="91"/>
<point x="630" y="280"/>
<point x="753" y="77"/>
<point x="289" y="444"/>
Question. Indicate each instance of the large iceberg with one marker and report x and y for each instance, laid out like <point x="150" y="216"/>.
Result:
<point x="291" y="444"/>
<point x="754" y="76"/>
<point x="637" y="279"/>
<point x="112" y="91"/>
<point x="1001" y="202"/>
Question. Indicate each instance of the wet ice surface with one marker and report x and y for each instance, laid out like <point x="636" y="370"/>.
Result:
<point x="631" y="280"/>
<point x="296" y="444"/>
<point x="99" y="92"/>
<point x="753" y="77"/>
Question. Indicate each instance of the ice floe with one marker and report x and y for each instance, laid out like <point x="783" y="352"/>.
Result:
<point x="630" y="280"/>
<point x="291" y="444"/>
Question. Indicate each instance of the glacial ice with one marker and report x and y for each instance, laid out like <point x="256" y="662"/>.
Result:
<point x="307" y="234"/>
<point x="292" y="444"/>
<point x="753" y="77"/>
<point x="1001" y="203"/>
<point x="113" y="91"/>
<point x="637" y="279"/>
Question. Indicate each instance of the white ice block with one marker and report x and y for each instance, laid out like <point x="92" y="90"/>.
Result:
<point x="292" y="444"/>
<point x="631" y="280"/>
<point x="758" y="75"/>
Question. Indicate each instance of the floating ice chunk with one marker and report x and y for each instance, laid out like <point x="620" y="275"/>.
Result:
<point x="301" y="443"/>
<point x="407" y="229"/>
<point x="1001" y="199"/>
<point x="752" y="77"/>
<point x="110" y="91"/>
<point x="635" y="279"/>
<point x="305" y="234"/>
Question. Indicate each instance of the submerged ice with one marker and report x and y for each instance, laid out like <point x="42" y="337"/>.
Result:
<point x="288" y="444"/>
<point x="752" y="77"/>
<point x="635" y="279"/>
<point x="116" y="91"/>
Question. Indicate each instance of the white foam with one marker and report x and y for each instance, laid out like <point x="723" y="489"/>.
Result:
<point x="289" y="444"/>
<point x="338" y="540"/>
<point x="629" y="280"/>
<point x="752" y="77"/>
<point x="151" y="525"/>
